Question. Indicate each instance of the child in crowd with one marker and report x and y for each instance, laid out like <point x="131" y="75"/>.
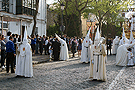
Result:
<point x="50" y="50"/>
<point x="130" y="57"/>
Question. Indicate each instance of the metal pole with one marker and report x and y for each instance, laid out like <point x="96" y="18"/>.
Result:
<point x="62" y="24"/>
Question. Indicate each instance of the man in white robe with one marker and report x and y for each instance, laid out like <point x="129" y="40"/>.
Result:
<point x="64" y="49"/>
<point x="86" y="47"/>
<point x="98" y="58"/>
<point x="124" y="40"/>
<point x="122" y="53"/>
<point x="115" y="45"/>
<point x="24" y="59"/>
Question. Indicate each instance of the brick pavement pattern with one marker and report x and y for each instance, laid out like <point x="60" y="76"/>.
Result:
<point x="69" y="75"/>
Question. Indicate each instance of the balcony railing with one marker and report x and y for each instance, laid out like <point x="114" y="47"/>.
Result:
<point x="25" y="10"/>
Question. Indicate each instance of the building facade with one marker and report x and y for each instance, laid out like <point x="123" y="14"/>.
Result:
<point x="15" y="15"/>
<point x="87" y="23"/>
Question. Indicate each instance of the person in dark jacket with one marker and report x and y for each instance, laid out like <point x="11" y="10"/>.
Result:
<point x="73" y="47"/>
<point x="3" y="48"/>
<point x="109" y="45"/>
<point x="10" y="54"/>
<point x="33" y="43"/>
<point x="37" y="43"/>
<point x="56" y="49"/>
<point x="41" y="45"/>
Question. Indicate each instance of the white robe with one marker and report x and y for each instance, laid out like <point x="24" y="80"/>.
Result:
<point x="98" y="57"/>
<point x="122" y="53"/>
<point x="115" y="45"/>
<point x="130" y="58"/>
<point x="85" y="53"/>
<point x="64" y="50"/>
<point x="24" y="61"/>
<point x="133" y="49"/>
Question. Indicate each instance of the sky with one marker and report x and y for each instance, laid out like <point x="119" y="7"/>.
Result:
<point x="50" y="1"/>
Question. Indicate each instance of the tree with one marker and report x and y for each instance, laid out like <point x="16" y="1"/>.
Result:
<point x="72" y="8"/>
<point x="106" y="11"/>
<point x="35" y="17"/>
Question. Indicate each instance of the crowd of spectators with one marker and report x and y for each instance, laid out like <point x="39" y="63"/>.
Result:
<point x="40" y="45"/>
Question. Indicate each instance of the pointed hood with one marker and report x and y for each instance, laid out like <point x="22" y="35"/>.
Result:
<point x="88" y="34"/>
<point x="97" y="37"/>
<point x="25" y="40"/>
<point x="57" y="36"/>
<point x="123" y="35"/>
<point x="131" y="37"/>
<point x="87" y="39"/>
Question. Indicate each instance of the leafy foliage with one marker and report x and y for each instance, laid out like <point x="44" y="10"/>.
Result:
<point x="53" y="29"/>
<point x="73" y="9"/>
<point x="107" y="12"/>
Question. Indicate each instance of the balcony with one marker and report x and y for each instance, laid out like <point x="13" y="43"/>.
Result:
<point x="25" y="10"/>
<point x="22" y="8"/>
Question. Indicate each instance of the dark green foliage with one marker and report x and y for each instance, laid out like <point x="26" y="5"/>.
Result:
<point x="111" y="30"/>
<point x="73" y="26"/>
<point x="53" y="29"/>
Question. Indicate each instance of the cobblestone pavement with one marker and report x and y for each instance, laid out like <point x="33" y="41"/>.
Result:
<point x="71" y="75"/>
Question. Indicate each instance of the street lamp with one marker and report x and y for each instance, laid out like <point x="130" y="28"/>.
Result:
<point x="62" y="26"/>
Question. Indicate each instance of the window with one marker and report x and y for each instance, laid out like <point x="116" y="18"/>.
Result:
<point x="5" y="5"/>
<point x="26" y="7"/>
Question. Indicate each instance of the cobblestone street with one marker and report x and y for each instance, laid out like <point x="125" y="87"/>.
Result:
<point x="70" y="75"/>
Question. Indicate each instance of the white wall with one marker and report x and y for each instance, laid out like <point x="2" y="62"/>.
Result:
<point x="42" y="17"/>
<point x="14" y="26"/>
<point x="41" y="10"/>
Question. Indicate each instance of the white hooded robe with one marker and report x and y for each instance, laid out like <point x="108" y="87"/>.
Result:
<point x="64" y="49"/>
<point x="98" y="58"/>
<point x="24" y="59"/>
<point x="86" y="47"/>
<point x="115" y="45"/>
<point x="122" y="53"/>
<point x="124" y="40"/>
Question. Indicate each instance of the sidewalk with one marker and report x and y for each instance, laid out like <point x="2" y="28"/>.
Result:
<point x="37" y="58"/>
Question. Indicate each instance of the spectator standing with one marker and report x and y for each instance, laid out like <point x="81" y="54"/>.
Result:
<point x="79" y="48"/>
<point x="10" y="54"/>
<point x="67" y="40"/>
<point x="16" y="37"/>
<point x="73" y="47"/>
<point x="7" y="37"/>
<point x="33" y="43"/>
<point x="19" y="39"/>
<point x="41" y="45"/>
<point x="56" y="49"/>
<point x="46" y="47"/>
<point x="37" y="44"/>
<point x="109" y="45"/>
<point x="3" y="48"/>
<point x="44" y="42"/>
<point x="50" y="51"/>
